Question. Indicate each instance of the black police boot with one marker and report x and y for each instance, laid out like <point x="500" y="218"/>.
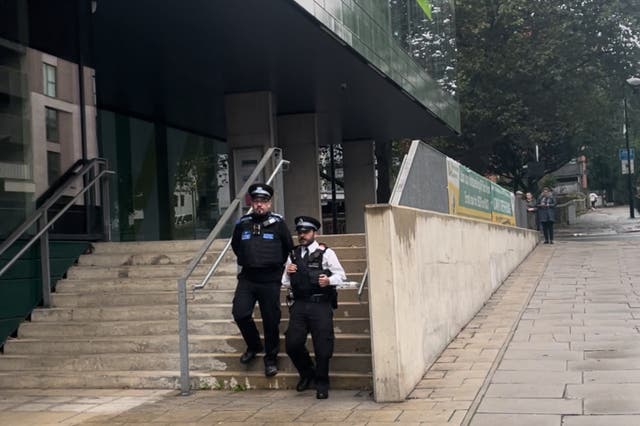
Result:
<point x="270" y="370"/>
<point x="322" y="391"/>
<point x="249" y="355"/>
<point x="304" y="383"/>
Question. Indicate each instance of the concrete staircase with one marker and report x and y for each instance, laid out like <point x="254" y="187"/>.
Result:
<point x="114" y="324"/>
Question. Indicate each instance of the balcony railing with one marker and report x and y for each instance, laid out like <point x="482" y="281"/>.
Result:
<point x="17" y="171"/>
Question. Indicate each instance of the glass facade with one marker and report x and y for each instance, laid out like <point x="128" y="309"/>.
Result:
<point x="16" y="148"/>
<point x="399" y="39"/>
<point x="198" y="181"/>
<point x="173" y="183"/>
<point x="429" y="40"/>
<point x="170" y="184"/>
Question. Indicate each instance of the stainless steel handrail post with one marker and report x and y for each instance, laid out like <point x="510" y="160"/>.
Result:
<point x="183" y="331"/>
<point x="183" y="321"/>
<point x="361" y="287"/>
<point x="45" y="266"/>
<point x="106" y="207"/>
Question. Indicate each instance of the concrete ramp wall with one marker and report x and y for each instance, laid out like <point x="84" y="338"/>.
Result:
<point x="429" y="274"/>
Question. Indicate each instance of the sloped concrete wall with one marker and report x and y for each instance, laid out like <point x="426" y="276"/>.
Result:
<point x="429" y="274"/>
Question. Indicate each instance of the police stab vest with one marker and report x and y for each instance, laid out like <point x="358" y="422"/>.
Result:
<point x="304" y="282"/>
<point x="260" y="242"/>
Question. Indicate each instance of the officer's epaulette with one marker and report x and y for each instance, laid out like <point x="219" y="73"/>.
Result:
<point x="273" y="218"/>
<point x="244" y="218"/>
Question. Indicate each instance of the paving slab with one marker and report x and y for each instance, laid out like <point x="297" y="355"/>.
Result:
<point x="600" y="420"/>
<point x="482" y="419"/>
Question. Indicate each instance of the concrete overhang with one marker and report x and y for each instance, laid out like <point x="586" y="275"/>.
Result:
<point x="174" y="62"/>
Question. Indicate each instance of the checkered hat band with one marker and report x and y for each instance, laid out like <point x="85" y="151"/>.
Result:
<point x="304" y="224"/>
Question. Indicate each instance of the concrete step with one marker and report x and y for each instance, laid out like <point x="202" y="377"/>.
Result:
<point x="137" y="300"/>
<point x="145" y="328"/>
<point x="169" y="380"/>
<point x="346" y="309"/>
<point x="119" y="285"/>
<point x="345" y="343"/>
<point x="357" y="363"/>
<point x="169" y="258"/>
<point x="144" y="271"/>
<point x="156" y="298"/>
<point x="172" y="271"/>
<point x="338" y="240"/>
<point x="185" y="257"/>
<point x="155" y="246"/>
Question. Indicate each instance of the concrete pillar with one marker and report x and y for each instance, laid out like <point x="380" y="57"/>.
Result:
<point x="251" y="130"/>
<point x="298" y="138"/>
<point x="250" y="119"/>
<point x="359" y="181"/>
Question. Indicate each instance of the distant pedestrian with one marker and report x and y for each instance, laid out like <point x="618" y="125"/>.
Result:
<point x="547" y="213"/>
<point x="532" y="211"/>
<point x="593" y="198"/>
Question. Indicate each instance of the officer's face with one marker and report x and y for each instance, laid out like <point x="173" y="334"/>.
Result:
<point x="306" y="237"/>
<point x="260" y="205"/>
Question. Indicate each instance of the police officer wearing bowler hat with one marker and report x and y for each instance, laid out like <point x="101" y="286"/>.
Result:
<point x="261" y="242"/>
<point x="311" y="271"/>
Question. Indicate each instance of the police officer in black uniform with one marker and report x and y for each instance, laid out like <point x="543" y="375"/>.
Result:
<point x="311" y="271"/>
<point x="261" y="242"/>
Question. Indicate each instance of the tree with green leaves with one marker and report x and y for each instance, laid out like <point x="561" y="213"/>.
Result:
<point x="547" y="73"/>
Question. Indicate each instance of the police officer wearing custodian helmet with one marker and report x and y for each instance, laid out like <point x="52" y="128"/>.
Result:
<point x="311" y="271"/>
<point x="261" y="243"/>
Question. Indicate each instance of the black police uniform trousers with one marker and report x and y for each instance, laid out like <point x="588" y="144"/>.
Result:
<point x="267" y="294"/>
<point x="316" y="318"/>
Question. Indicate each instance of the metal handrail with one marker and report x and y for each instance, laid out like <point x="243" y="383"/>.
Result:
<point x="15" y="235"/>
<point x="216" y="263"/>
<point x="361" y="287"/>
<point x="183" y="322"/>
<point x="44" y="224"/>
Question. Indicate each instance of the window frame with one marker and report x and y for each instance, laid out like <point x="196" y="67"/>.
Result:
<point x="50" y="85"/>
<point x="50" y="177"/>
<point x="52" y="130"/>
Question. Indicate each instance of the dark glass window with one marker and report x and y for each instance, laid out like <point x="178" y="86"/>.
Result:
<point x="53" y="134"/>
<point x="49" y="75"/>
<point x="53" y="166"/>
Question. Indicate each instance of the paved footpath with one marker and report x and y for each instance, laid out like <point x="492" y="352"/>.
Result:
<point x="557" y="344"/>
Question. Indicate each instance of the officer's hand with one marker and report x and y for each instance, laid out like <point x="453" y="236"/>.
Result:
<point x="292" y="268"/>
<point x="323" y="280"/>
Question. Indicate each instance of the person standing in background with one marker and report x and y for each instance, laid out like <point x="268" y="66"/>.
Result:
<point x="547" y="213"/>
<point x="532" y="211"/>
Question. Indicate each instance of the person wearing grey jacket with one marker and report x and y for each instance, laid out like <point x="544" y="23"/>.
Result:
<point x="547" y="213"/>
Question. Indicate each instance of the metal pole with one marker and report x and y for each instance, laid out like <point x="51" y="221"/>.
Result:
<point x="45" y="270"/>
<point x="183" y="328"/>
<point x="629" y="177"/>
<point x="106" y="207"/>
<point x="334" y="206"/>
